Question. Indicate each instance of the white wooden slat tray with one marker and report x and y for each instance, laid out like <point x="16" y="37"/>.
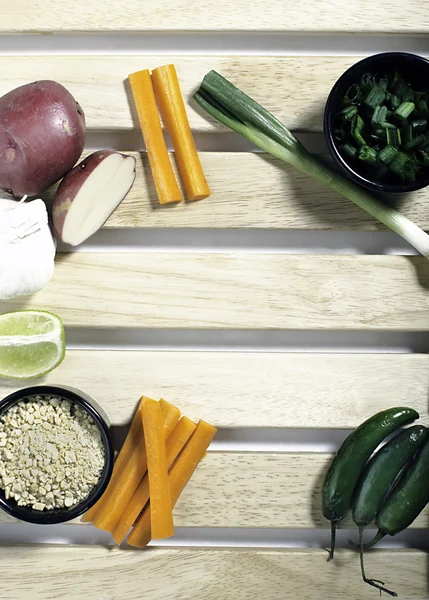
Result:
<point x="250" y="522"/>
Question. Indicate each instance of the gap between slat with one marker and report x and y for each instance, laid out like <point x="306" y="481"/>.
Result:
<point x="187" y="537"/>
<point x="230" y="340"/>
<point x="292" y="241"/>
<point x="246" y="43"/>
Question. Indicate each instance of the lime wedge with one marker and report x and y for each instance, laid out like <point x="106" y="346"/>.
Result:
<point x="32" y="343"/>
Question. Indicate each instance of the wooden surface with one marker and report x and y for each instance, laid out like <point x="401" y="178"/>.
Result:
<point x="249" y="389"/>
<point x="279" y="198"/>
<point x="214" y="15"/>
<point x="257" y="396"/>
<point x="51" y="573"/>
<point x="92" y="77"/>
<point x="209" y="290"/>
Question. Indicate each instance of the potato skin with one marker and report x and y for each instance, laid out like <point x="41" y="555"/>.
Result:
<point x="42" y="135"/>
<point x="71" y="184"/>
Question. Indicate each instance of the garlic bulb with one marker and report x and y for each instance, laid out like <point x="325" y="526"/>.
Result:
<point x="27" y="248"/>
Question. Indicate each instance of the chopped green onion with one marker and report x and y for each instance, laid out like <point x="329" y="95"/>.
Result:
<point x="348" y="113"/>
<point x="381" y="172"/>
<point x="408" y="96"/>
<point x="234" y="109"/>
<point x="357" y="128"/>
<point x="422" y="109"/>
<point x="398" y="163"/>
<point x="379" y="116"/>
<point x="400" y="88"/>
<point x="404" y="111"/>
<point x="375" y="97"/>
<point x="387" y="154"/>
<point x="419" y="125"/>
<point x="350" y="150"/>
<point x="410" y="170"/>
<point x="380" y="133"/>
<point x="393" y="137"/>
<point x="415" y="143"/>
<point x="394" y="101"/>
<point x="353" y="95"/>
<point x="368" y="154"/>
<point x="423" y="158"/>
<point x="383" y="83"/>
<point x="367" y="82"/>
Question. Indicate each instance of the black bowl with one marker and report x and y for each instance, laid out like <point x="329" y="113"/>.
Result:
<point x="61" y="515"/>
<point x="415" y="70"/>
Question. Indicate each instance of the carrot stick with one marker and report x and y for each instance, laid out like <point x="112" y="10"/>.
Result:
<point x="134" y="433"/>
<point x="157" y="470"/>
<point x="179" y="476"/>
<point x="171" y="415"/>
<point x="173" y="110"/>
<point x="150" y="124"/>
<point x="174" y="445"/>
<point x="126" y="484"/>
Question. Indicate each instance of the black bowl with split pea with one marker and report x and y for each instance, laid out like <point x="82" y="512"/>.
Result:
<point x="376" y="122"/>
<point x="56" y="454"/>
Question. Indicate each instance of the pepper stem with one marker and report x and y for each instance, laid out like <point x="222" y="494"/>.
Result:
<point x="333" y="534"/>
<point x="374" y="582"/>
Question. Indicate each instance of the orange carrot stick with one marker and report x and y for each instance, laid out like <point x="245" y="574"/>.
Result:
<point x="173" y="110"/>
<point x="171" y="415"/>
<point x="174" y="445"/>
<point x="134" y="433"/>
<point x="179" y="476"/>
<point x="162" y="171"/>
<point x="123" y="489"/>
<point x="157" y="470"/>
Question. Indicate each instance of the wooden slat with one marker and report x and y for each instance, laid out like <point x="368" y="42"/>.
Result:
<point x="250" y="389"/>
<point x="257" y="490"/>
<point x="105" y="15"/>
<point x="238" y="291"/>
<point x="51" y="573"/>
<point x="267" y="195"/>
<point x="99" y="83"/>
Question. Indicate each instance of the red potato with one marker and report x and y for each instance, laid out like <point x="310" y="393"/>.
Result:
<point x="90" y="193"/>
<point x="42" y="135"/>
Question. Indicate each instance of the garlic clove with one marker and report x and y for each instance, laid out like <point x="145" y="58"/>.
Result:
<point x="27" y="248"/>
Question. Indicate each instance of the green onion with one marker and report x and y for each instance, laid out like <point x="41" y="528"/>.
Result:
<point x="387" y="154"/>
<point x="353" y="95"/>
<point x="423" y="158"/>
<point x="367" y="82"/>
<point x="357" y="129"/>
<point x="351" y="150"/>
<point x="398" y="163"/>
<point x="368" y="154"/>
<point x="379" y="116"/>
<point x="375" y="97"/>
<point x="419" y="125"/>
<point x="234" y="109"/>
<point x="404" y="110"/>
<point x="394" y="101"/>
<point x="348" y="113"/>
<point x="415" y="143"/>
<point x="393" y="137"/>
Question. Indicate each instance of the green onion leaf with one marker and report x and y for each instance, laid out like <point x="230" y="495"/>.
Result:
<point x="423" y="158"/>
<point x="404" y="110"/>
<point x="387" y="154"/>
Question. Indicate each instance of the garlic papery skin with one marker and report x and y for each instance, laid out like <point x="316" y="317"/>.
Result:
<point x="27" y="248"/>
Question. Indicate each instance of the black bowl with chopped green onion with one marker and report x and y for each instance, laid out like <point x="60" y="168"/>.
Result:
<point x="376" y="122"/>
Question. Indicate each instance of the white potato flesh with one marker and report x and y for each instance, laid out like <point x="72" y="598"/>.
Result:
<point x="98" y="197"/>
